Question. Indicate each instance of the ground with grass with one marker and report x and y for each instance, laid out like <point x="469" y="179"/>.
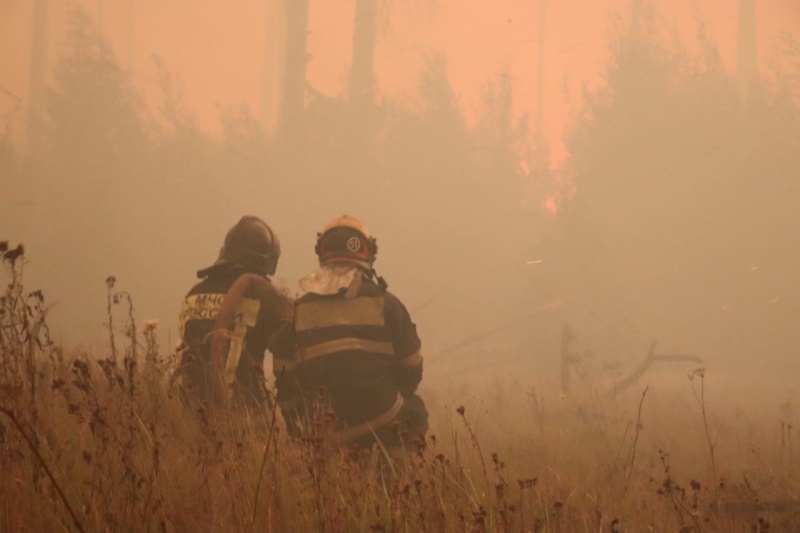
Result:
<point x="104" y="444"/>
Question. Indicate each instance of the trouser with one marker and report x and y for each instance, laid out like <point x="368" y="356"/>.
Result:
<point x="410" y="424"/>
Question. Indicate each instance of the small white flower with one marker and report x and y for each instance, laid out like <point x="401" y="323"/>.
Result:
<point x="149" y="325"/>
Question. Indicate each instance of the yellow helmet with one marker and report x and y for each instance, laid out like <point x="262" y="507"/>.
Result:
<point x="346" y="240"/>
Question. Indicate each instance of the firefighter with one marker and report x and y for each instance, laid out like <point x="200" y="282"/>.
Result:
<point x="235" y="288"/>
<point x="348" y="366"/>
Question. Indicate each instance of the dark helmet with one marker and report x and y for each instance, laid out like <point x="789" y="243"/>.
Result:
<point x="346" y="240"/>
<point x="250" y="244"/>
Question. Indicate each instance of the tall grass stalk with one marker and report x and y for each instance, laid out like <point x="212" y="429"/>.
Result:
<point x="89" y="445"/>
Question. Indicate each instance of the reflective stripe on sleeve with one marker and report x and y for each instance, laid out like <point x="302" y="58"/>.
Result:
<point x="245" y="316"/>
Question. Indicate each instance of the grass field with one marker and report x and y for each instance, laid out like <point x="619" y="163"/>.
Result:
<point x="102" y="444"/>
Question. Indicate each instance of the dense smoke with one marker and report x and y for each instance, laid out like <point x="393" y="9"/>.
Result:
<point x="677" y="200"/>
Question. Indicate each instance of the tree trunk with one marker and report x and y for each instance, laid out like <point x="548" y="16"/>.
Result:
<point x="539" y="142"/>
<point x="362" y="76"/>
<point x="294" y="78"/>
<point x="38" y="75"/>
<point x="274" y="55"/>
<point x="131" y="37"/>
<point x="747" y="51"/>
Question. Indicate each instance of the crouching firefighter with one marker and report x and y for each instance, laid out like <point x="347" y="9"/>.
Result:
<point x="348" y="366"/>
<point x="227" y="319"/>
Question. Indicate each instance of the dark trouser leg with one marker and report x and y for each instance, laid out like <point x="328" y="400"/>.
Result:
<point x="413" y="420"/>
<point x="410" y="424"/>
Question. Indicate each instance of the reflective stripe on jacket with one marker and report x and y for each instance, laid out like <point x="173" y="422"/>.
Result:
<point x="344" y="359"/>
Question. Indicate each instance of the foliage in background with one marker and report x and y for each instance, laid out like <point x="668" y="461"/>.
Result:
<point x="139" y="184"/>
<point x="686" y="186"/>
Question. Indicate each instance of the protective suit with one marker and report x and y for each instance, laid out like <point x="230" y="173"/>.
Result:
<point x="256" y="310"/>
<point x="348" y="366"/>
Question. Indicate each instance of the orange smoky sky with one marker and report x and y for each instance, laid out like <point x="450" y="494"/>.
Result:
<point x="217" y="50"/>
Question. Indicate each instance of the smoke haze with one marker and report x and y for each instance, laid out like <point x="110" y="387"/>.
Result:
<point x="636" y="180"/>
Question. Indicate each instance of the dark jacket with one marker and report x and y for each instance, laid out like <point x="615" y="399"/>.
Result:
<point x="261" y="313"/>
<point x="358" y="357"/>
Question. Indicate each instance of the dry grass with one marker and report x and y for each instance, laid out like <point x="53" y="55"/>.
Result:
<point x="102" y="445"/>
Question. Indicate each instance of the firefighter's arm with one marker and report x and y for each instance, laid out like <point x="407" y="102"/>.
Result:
<point x="409" y="373"/>
<point x="282" y="345"/>
<point x="289" y="395"/>
<point x="407" y="346"/>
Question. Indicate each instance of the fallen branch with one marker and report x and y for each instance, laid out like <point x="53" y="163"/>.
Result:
<point x="497" y="329"/>
<point x="651" y="358"/>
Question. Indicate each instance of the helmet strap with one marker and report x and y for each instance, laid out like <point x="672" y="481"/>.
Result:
<point x="378" y="279"/>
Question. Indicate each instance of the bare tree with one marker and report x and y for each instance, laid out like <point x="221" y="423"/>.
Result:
<point x="747" y="52"/>
<point x="362" y="75"/>
<point x="274" y="54"/>
<point x="131" y="35"/>
<point x="370" y="18"/>
<point x="539" y="145"/>
<point x="36" y="88"/>
<point x="292" y="101"/>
